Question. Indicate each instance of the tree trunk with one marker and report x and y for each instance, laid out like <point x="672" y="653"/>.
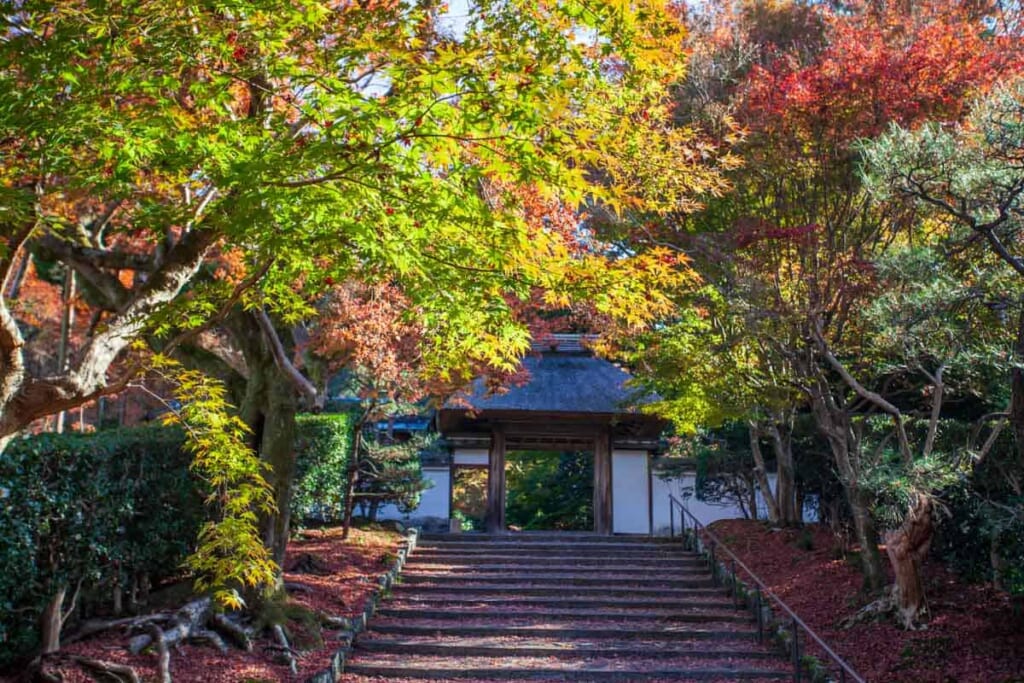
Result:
<point x="1017" y="387"/>
<point x="353" y="477"/>
<point x="269" y="408"/>
<point x="867" y="537"/>
<point x="907" y="547"/>
<point x="51" y="621"/>
<point x="785" y="483"/>
<point x="761" y="473"/>
<point x="67" y="322"/>
<point x="832" y="420"/>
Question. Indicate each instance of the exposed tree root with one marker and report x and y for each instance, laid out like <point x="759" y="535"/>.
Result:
<point x="234" y="632"/>
<point x="192" y="615"/>
<point x="163" y="653"/>
<point x="104" y="671"/>
<point x="334" y="622"/>
<point x="205" y="635"/>
<point x="284" y="650"/>
<point x="883" y="609"/>
<point x="94" y="626"/>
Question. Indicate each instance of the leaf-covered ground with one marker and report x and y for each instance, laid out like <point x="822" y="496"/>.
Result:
<point x="347" y="573"/>
<point x="974" y="634"/>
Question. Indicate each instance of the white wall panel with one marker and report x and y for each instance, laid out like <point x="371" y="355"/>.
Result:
<point x="630" y="512"/>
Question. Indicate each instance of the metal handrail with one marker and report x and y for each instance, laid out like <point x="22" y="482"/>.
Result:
<point x="845" y="670"/>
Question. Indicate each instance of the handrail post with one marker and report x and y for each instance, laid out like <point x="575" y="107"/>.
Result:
<point x="760" y="617"/>
<point x="714" y="565"/>
<point x="671" y="518"/>
<point x="796" y="650"/>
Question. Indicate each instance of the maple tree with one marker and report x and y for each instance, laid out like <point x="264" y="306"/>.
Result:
<point x="208" y="173"/>
<point x="793" y="250"/>
<point x="142" y="140"/>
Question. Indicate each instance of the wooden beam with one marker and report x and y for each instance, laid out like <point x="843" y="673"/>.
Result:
<point x="496" y="482"/>
<point x="603" y="482"/>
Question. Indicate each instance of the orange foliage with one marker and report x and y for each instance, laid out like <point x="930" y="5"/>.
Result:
<point x="883" y="63"/>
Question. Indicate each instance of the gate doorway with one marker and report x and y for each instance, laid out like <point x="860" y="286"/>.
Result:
<point x="549" y="490"/>
<point x="469" y="496"/>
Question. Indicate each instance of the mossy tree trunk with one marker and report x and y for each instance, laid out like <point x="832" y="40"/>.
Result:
<point x="269" y="406"/>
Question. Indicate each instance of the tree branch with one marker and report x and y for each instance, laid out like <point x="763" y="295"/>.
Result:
<point x="864" y="392"/>
<point x="316" y="398"/>
<point x="38" y="397"/>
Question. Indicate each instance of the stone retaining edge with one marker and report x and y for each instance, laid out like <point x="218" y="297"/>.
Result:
<point x="356" y="625"/>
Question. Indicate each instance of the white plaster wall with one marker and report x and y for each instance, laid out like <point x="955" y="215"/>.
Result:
<point x="630" y="513"/>
<point x="470" y="456"/>
<point x="705" y="512"/>
<point x="433" y="501"/>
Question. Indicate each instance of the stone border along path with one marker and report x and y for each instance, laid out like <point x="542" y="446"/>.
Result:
<point x="557" y="606"/>
<point x="353" y="627"/>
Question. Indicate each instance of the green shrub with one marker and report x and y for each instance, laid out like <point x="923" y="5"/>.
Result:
<point x="324" y="444"/>
<point x="93" y="510"/>
<point x="105" y="508"/>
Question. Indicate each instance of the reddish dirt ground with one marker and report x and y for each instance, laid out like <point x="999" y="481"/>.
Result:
<point x="974" y="635"/>
<point x="349" y="572"/>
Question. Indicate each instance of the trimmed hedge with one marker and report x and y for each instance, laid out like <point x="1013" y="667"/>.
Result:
<point x="98" y="509"/>
<point x="323" y="450"/>
<point x="108" y="508"/>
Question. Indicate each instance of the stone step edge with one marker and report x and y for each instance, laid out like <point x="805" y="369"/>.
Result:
<point x="567" y="603"/>
<point x="395" y="672"/>
<point x="506" y="589"/>
<point x="573" y="559"/>
<point x="578" y="633"/>
<point x="440" y="649"/>
<point x="567" y="538"/>
<point x="563" y="581"/>
<point x="568" y="547"/>
<point x="424" y="567"/>
<point x="400" y="613"/>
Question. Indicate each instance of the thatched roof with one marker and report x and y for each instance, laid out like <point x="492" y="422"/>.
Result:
<point x="560" y="382"/>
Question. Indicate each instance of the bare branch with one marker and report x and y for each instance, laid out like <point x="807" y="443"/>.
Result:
<point x="862" y="391"/>
<point x="283" y="363"/>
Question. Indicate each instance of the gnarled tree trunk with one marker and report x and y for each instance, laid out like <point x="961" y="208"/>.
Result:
<point x="907" y="547"/>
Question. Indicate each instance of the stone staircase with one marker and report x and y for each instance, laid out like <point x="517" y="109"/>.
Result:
<point x="559" y="606"/>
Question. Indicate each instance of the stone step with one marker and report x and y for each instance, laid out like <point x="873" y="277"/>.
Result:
<point x="574" y="607"/>
<point x="386" y="678"/>
<point x="583" y="603"/>
<point x="566" y="537"/>
<point x="553" y="568"/>
<point x="552" y="553"/>
<point x="442" y="578"/>
<point x="505" y="646"/>
<point x="582" y="631"/>
<point x="532" y="590"/>
<point x="647" y="560"/>
<point x="545" y="546"/>
<point x="556" y="615"/>
<point x="576" y="669"/>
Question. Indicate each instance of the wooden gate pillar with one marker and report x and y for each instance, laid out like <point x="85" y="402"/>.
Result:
<point x="603" y="482"/>
<point x="496" y="482"/>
